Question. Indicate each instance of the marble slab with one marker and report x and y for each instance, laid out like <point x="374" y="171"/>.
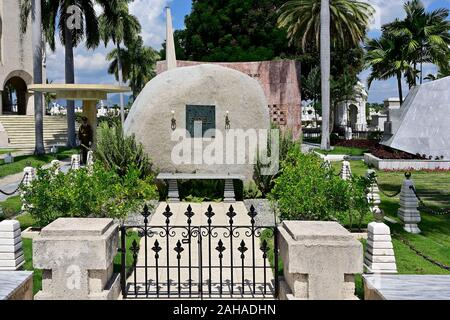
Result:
<point x="10" y="281"/>
<point x="410" y="287"/>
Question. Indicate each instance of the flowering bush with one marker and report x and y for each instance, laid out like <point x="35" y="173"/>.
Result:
<point x="308" y="190"/>
<point x="80" y="193"/>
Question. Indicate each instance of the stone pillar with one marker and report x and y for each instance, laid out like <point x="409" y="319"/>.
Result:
<point x="90" y="158"/>
<point x="174" y="195"/>
<point x="228" y="195"/>
<point x="8" y="158"/>
<point x="379" y="256"/>
<point x="346" y="171"/>
<point x="11" y="252"/>
<point x="320" y="261"/>
<point x="90" y="112"/>
<point x="75" y="162"/>
<point x="29" y="177"/>
<point x="348" y="133"/>
<point x="90" y="161"/>
<point x="76" y="256"/>
<point x="409" y="203"/>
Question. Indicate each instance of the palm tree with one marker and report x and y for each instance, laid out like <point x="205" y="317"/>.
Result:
<point x="118" y="25"/>
<point x="427" y="34"/>
<point x="388" y="57"/>
<point x="138" y="64"/>
<point x="349" y="21"/>
<point x="57" y="18"/>
<point x="325" y="24"/>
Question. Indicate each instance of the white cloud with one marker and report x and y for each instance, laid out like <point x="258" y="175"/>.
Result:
<point x="152" y="18"/>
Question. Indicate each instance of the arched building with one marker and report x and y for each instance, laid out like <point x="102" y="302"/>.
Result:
<point x="16" y="62"/>
<point x="352" y="113"/>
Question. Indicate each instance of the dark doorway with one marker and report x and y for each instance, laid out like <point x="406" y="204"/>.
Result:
<point x="14" y="98"/>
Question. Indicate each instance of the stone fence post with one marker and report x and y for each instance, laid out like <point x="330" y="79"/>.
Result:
<point x="379" y="256"/>
<point x="90" y="161"/>
<point x="320" y="261"/>
<point x="75" y="162"/>
<point x="409" y="203"/>
<point x="11" y="250"/>
<point x="29" y="177"/>
<point x="76" y="256"/>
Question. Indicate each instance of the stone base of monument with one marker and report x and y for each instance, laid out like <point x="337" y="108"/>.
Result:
<point x="76" y="256"/>
<point x="320" y="261"/>
<point x="11" y="252"/>
<point x="379" y="256"/>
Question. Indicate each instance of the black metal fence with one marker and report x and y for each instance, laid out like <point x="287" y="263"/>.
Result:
<point x="201" y="261"/>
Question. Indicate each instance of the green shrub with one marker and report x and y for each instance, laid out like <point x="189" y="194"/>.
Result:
<point x="308" y="190"/>
<point x="265" y="183"/>
<point x="116" y="151"/>
<point x="251" y="191"/>
<point x="102" y="193"/>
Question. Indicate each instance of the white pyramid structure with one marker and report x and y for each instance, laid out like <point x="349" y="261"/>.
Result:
<point x="422" y="124"/>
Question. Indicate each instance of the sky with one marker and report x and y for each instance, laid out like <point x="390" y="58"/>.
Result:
<point x="91" y="65"/>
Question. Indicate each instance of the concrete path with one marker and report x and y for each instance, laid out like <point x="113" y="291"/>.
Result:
<point x="178" y="278"/>
<point x="11" y="182"/>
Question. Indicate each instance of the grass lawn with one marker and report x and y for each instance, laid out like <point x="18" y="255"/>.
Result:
<point x="434" y="241"/>
<point x="37" y="274"/>
<point x="11" y="207"/>
<point x="355" y="152"/>
<point x="34" y="161"/>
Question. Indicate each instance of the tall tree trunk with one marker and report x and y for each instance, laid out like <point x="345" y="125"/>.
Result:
<point x="325" y="71"/>
<point x="70" y="78"/>
<point x="37" y="76"/>
<point x="120" y="72"/>
<point x="399" y="84"/>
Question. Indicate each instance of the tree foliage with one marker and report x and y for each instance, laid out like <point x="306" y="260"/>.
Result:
<point x="233" y="30"/>
<point x="138" y="64"/>
<point x="349" y="22"/>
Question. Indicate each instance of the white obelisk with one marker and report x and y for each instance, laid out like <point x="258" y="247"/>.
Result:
<point x="171" y="57"/>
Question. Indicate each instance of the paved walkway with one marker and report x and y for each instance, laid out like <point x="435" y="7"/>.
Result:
<point x="178" y="278"/>
<point x="11" y="182"/>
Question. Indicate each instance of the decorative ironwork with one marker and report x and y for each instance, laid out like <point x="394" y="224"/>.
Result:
<point x="175" y="265"/>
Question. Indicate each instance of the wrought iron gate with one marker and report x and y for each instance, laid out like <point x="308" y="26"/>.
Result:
<point x="201" y="261"/>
